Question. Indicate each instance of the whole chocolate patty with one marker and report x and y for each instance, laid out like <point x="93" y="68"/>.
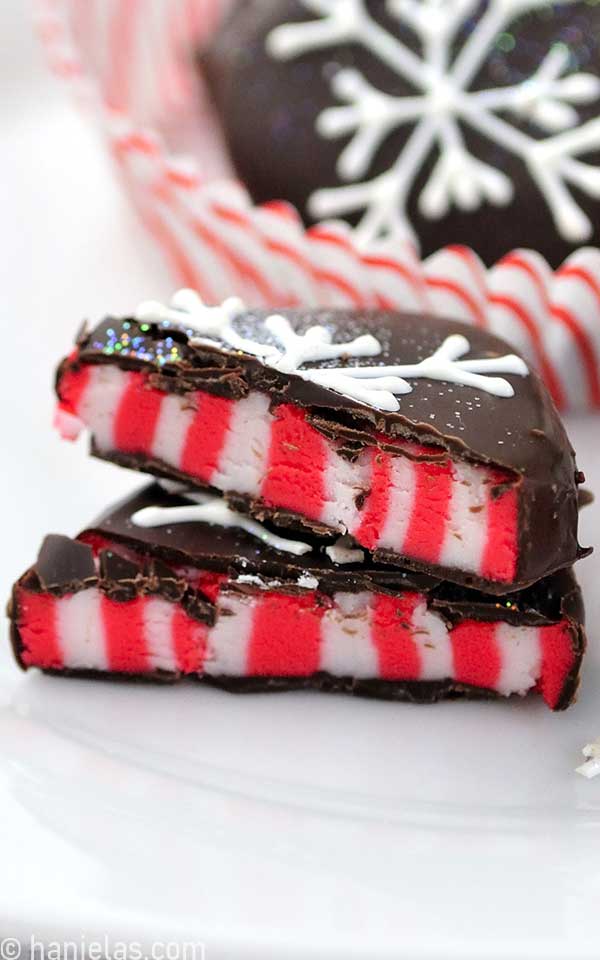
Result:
<point x="452" y="122"/>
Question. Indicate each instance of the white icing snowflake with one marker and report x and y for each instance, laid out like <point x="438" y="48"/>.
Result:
<point x="443" y="105"/>
<point x="377" y="386"/>
<point x="206" y="508"/>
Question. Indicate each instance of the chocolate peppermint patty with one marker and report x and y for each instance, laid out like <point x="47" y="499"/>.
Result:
<point x="426" y="442"/>
<point x="472" y="123"/>
<point x="163" y="587"/>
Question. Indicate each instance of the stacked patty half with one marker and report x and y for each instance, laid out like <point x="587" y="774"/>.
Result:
<point x="364" y="501"/>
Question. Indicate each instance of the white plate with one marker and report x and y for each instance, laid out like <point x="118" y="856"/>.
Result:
<point x="287" y="826"/>
<point x="299" y="825"/>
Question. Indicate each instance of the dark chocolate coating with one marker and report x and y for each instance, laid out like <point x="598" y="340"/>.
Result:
<point x="523" y="434"/>
<point x="424" y="692"/>
<point x="64" y="565"/>
<point x="268" y="110"/>
<point x="233" y="552"/>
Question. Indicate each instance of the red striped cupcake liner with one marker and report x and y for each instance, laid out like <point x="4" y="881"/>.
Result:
<point x="130" y="61"/>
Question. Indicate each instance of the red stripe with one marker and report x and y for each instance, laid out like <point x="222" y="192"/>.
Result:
<point x="562" y="314"/>
<point x="282" y="209"/>
<point x="472" y="263"/>
<point x="174" y="76"/>
<point x="98" y="542"/>
<point x="590" y="360"/>
<point x="122" y="34"/>
<point x="189" y="641"/>
<point x="232" y="216"/>
<point x="520" y="263"/>
<point x="206" y="435"/>
<point x="431" y="508"/>
<point x="412" y="279"/>
<point x="71" y="388"/>
<point x="295" y="474"/>
<point x="558" y="659"/>
<point x="586" y="277"/>
<point x="500" y="557"/>
<point x="477" y="311"/>
<point x="245" y="270"/>
<point x="209" y="584"/>
<point x="545" y="367"/>
<point x="477" y="658"/>
<point x="182" y="264"/>
<point x="37" y="623"/>
<point x="243" y="266"/>
<point x="321" y="233"/>
<point x="125" y="635"/>
<point x="137" y="415"/>
<point x="580" y="273"/>
<point x="182" y="178"/>
<point x="135" y="141"/>
<point x="383" y="303"/>
<point x="283" y="250"/>
<point x="374" y="513"/>
<point x="286" y="636"/>
<point x="335" y="280"/>
<point x="392" y="634"/>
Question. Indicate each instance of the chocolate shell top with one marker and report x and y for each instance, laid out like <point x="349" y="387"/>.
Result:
<point x="483" y="131"/>
<point x="135" y="561"/>
<point x="522" y="433"/>
<point x="237" y="554"/>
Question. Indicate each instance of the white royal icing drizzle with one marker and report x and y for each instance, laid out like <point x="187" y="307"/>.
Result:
<point x="591" y="767"/>
<point x="307" y="581"/>
<point x="315" y="344"/>
<point x="211" y="323"/>
<point x="253" y="580"/>
<point x="213" y="510"/>
<point x="443" y="74"/>
<point x="340" y="552"/>
<point x="376" y="386"/>
<point x="445" y="365"/>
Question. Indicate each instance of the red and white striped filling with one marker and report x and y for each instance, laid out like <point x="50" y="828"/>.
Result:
<point x="449" y="513"/>
<point x="268" y="633"/>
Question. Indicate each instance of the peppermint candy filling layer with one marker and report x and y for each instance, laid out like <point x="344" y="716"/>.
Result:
<point x="123" y="605"/>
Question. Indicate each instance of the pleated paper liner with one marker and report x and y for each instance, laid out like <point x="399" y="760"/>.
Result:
<point x="132" y="64"/>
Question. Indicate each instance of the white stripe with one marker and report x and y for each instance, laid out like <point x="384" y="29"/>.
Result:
<point x="578" y="296"/>
<point x="81" y="634"/>
<point x="242" y="464"/>
<point x="342" y="261"/>
<point x="296" y="278"/>
<point x="521" y="657"/>
<point x="346" y="646"/>
<point x="469" y="276"/>
<point x="343" y="483"/>
<point x="158" y="634"/>
<point x="175" y="418"/>
<point x="228" y="640"/>
<point x="179" y="219"/>
<point x="400" y="504"/>
<point x="100" y="402"/>
<point x="467" y="524"/>
<point x="431" y="636"/>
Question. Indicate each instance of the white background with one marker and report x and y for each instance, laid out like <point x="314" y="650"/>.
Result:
<point x="71" y="249"/>
<point x="298" y="826"/>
